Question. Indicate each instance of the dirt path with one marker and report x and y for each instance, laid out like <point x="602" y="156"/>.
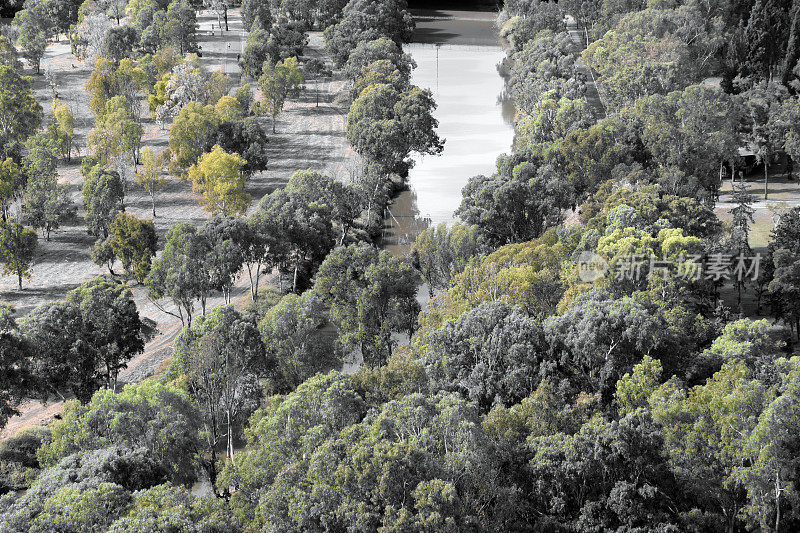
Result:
<point x="309" y="136"/>
<point x="578" y="36"/>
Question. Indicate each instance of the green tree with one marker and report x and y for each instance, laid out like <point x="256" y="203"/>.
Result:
<point x="46" y="203"/>
<point x="366" y="20"/>
<point x="116" y="132"/>
<point x="256" y="13"/>
<point x="111" y="324"/>
<point x="147" y="415"/>
<point x="187" y="135"/>
<point x="11" y="179"/>
<point x="220" y="357"/>
<point x="20" y="113"/>
<point x="279" y="81"/>
<point x="35" y="25"/>
<point x="63" y="128"/>
<point x="16" y="382"/>
<point x="371" y="295"/>
<point x="178" y="274"/>
<point x="17" y="249"/>
<point x="292" y="335"/>
<point x="150" y="177"/>
<point x="492" y="355"/>
<point x="134" y="243"/>
<point x="219" y="179"/>
<point x="385" y="126"/>
<point x="440" y="252"/>
<point x="103" y="195"/>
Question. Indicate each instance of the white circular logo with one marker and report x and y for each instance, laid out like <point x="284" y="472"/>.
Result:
<point x="591" y="266"/>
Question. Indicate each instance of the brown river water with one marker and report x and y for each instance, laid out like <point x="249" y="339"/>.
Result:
<point x="458" y="61"/>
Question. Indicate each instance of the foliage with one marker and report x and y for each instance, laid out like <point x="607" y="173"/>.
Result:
<point x="219" y="179"/>
<point x="20" y="113"/>
<point x="103" y="194"/>
<point x="371" y="295"/>
<point x="385" y="125"/>
<point x="133" y="241"/>
<point x="279" y="81"/>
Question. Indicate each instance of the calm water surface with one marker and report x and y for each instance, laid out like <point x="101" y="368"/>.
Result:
<point x="476" y="122"/>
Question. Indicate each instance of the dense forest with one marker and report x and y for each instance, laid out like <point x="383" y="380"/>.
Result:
<point x="532" y="393"/>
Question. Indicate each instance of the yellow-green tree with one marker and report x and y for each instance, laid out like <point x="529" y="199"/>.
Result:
<point x="63" y="128"/>
<point x="116" y="132"/>
<point x="277" y="83"/>
<point x="150" y="177"/>
<point x="219" y="179"/>
<point x="10" y="181"/>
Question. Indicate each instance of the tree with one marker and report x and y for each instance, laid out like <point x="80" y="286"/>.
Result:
<point x="366" y="20"/>
<point x="63" y="128"/>
<point x="17" y="249"/>
<point x="228" y="239"/>
<point x="439" y="253"/>
<point x="740" y="231"/>
<point x="262" y="248"/>
<point x="385" y="126"/>
<point x="763" y="104"/>
<point x="147" y="415"/>
<point x="8" y="54"/>
<point x="244" y="137"/>
<point x="120" y="41"/>
<point x="85" y="340"/>
<point x="371" y="295"/>
<point x="110" y="322"/>
<point x="193" y="125"/>
<point x="11" y="180"/>
<point x="103" y="195"/>
<point x="517" y="204"/>
<point x="179" y="274"/>
<point x="102" y="85"/>
<point x="46" y="204"/>
<point x="180" y="26"/>
<point x="134" y="243"/>
<point x="784" y="250"/>
<point x="63" y="361"/>
<point x="256" y="50"/>
<point x="15" y="380"/>
<point x="219" y="179"/>
<point x="116" y="132"/>
<point x="492" y="355"/>
<point x="150" y="177"/>
<point x="35" y="27"/>
<point x="20" y="113"/>
<point x="367" y="52"/>
<point x="600" y="338"/>
<point x="292" y="335"/>
<point x="255" y="12"/>
<point x="220" y="357"/>
<point x="279" y="81"/>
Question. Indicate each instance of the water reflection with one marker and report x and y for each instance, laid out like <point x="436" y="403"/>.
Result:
<point x="475" y="119"/>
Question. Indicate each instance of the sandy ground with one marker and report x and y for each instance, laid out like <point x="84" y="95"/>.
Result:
<point x="309" y="136"/>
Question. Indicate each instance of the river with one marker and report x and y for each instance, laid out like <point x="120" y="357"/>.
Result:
<point x="457" y="55"/>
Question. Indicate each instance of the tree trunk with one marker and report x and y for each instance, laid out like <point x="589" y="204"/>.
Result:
<point x="777" y="500"/>
<point x="766" y="178"/>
